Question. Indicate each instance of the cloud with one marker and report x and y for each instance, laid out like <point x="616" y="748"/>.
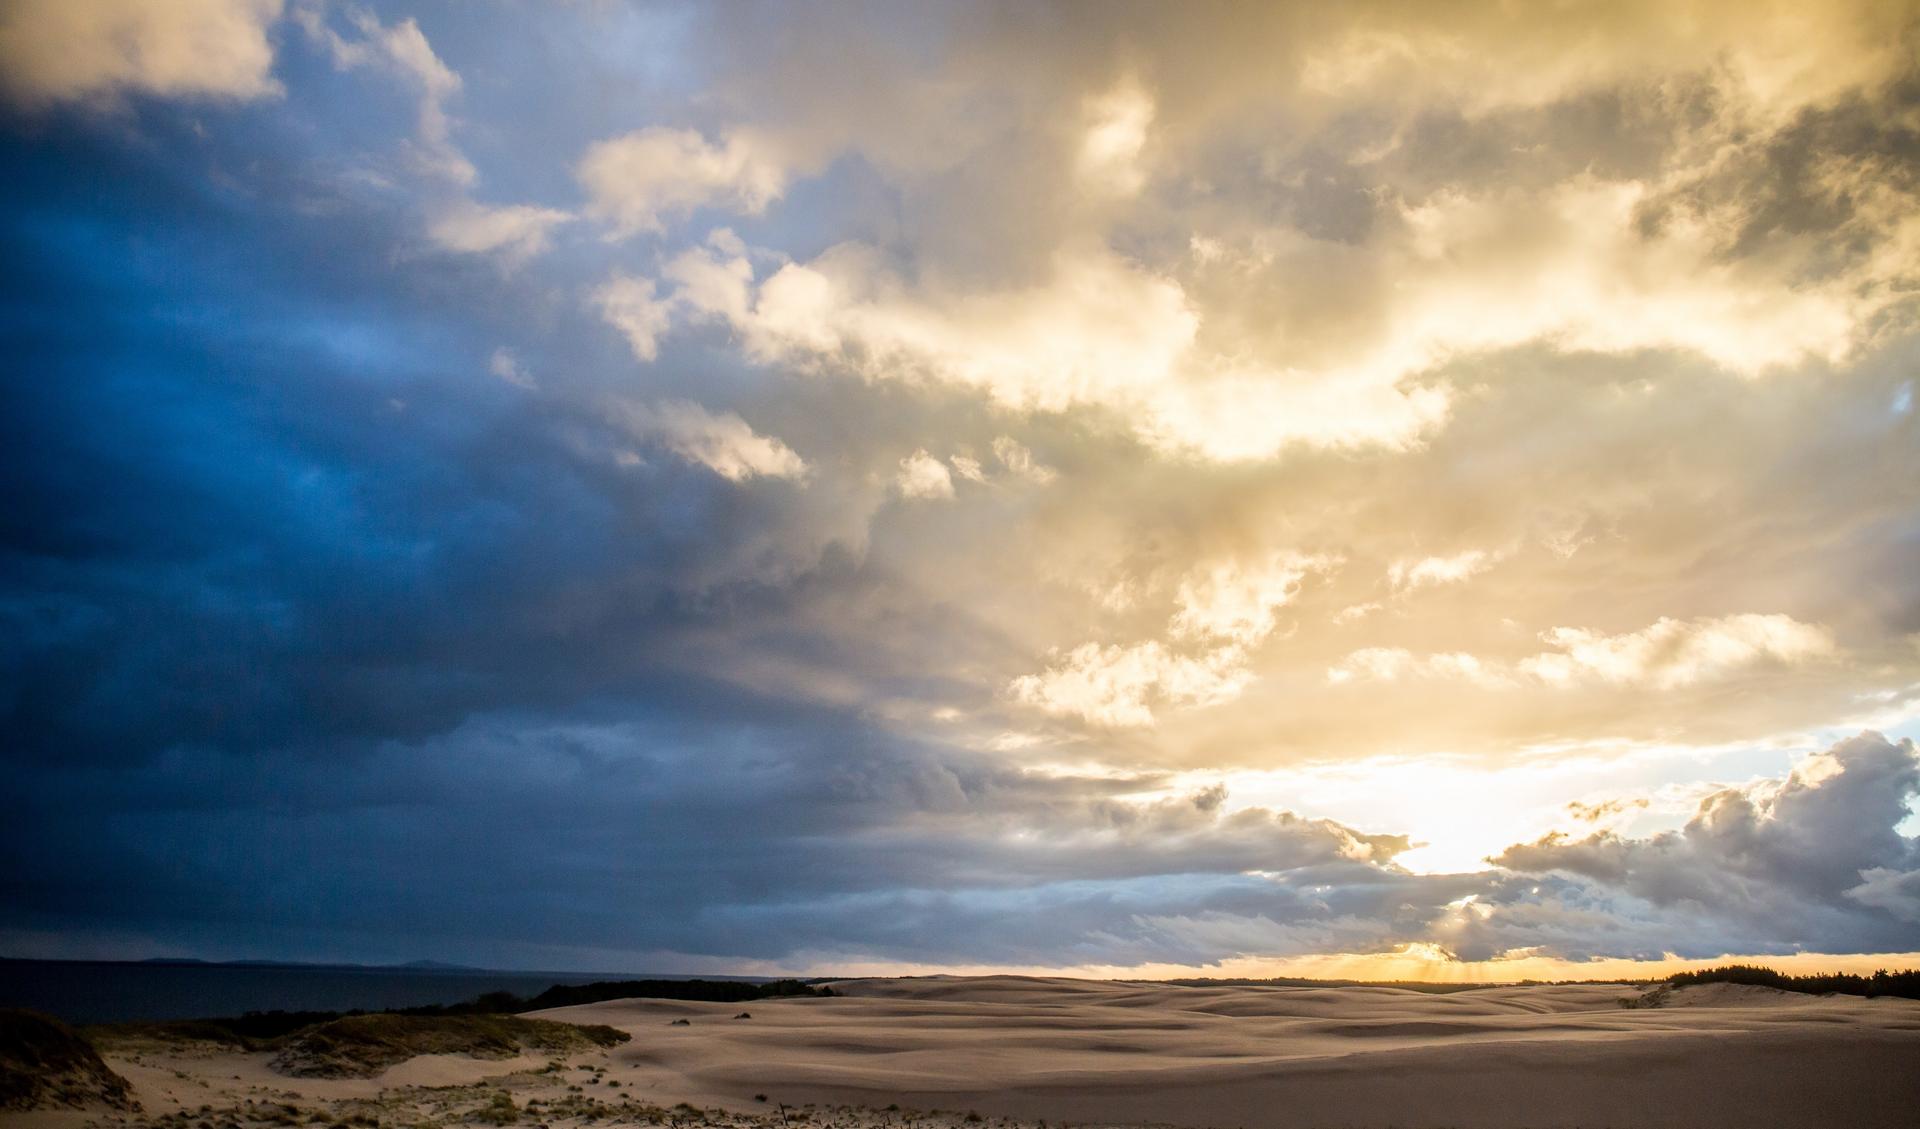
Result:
<point x="1237" y="600"/>
<point x="1895" y="891"/>
<point x="1118" y="121"/>
<point x="401" y="49"/>
<point x="1576" y="265"/>
<point x="1669" y="654"/>
<point x="923" y="476"/>
<point x="1222" y="610"/>
<point x="1813" y="861"/>
<point x="1672" y="653"/>
<point x="1020" y="462"/>
<point x="628" y="304"/>
<point x="968" y="467"/>
<point x="506" y="366"/>
<point x="517" y="231"/>
<point x="1097" y="331"/>
<point x="61" y="50"/>
<point x="722" y="443"/>
<point x="1437" y="257"/>
<point x="1354" y="613"/>
<point x="1773" y="61"/>
<point x="1408" y="574"/>
<point x="1388" y="664"/>
<point x="712" y="280"/>
<point x="908" y="855"/>
<point x="456" y="222"/>
<point x="1121" y="686"/>
<point x="638" y="181"/>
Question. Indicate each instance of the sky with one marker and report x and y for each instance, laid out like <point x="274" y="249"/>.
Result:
<point x="1386" y="489"/>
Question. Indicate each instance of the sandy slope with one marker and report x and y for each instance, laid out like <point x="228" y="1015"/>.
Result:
<point x="1117" y="1053"/>
<point x="1081" y="1051"/>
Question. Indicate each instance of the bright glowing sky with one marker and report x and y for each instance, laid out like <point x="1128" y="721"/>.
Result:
<point x="1399" y="489"/>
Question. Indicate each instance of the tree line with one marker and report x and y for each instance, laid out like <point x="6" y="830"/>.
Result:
<point x="1905" y="984"/>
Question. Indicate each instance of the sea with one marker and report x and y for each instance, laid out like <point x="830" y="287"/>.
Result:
<point x="122" y="991"/>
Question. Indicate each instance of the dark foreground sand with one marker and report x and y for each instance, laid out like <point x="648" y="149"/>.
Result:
<point x="1087" y="1053"/>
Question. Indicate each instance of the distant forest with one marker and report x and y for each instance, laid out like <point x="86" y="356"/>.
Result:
<point x="1904" y="984"/>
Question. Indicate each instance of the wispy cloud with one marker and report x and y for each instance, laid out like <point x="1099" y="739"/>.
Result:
<point x="723" y="442"/>
<point x="1666" y="655"/>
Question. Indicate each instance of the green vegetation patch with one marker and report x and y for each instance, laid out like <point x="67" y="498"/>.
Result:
<point x="254" y="1031"/>
<point x="710" y="991"/>
<point x="44" y="1063"/>
<point x="358" y="1046"/>
<point x="266" y="1030"/>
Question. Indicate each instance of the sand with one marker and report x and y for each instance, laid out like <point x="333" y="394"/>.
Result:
<point x="1086" y="1052"/>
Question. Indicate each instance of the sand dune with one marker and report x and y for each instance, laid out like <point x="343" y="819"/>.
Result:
<point x="1117" y="1053"/>
<point x="1716" y="1055"/>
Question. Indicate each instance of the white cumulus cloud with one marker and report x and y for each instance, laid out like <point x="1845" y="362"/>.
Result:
<point x="1120" y="686"/>
<point x="1222" y="610"/>
<point x="517" y="231"/>
<point x="722" y="442"/>
<point x="923" y="476"/>
<point x="1408" y="574"/>
<point x="628" y="304"/>
<point x="639" y="180"/>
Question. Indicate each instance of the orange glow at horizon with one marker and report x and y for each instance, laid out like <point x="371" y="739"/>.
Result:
<point x="1418" y="962"/>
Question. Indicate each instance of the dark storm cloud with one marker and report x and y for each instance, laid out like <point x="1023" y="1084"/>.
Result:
<point x="1815" y="862"/>
<point x="755" y="842"/>
<point x="260" y="488"/>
